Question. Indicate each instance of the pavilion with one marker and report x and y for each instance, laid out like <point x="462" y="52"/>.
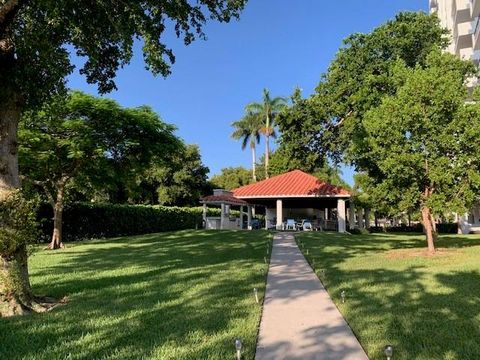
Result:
<point x="293" y="195"/>
<point x="298" y="195"/>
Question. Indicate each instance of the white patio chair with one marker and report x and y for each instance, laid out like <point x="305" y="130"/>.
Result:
<point x="291" y="225"/>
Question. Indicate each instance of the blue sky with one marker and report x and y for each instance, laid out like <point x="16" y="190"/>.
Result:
<point x="278" y="44"/>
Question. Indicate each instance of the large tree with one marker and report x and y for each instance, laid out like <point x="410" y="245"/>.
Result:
<point x="248" y="129"/>
<point x="36" y="41"/>
<point x="231" y="178"/>
<point x="424" y="140"/>
<point x="181" y="181"/>
<point x="82" y="136"/>
<point x="268" y="110"/>
<point x="330" y="122"/>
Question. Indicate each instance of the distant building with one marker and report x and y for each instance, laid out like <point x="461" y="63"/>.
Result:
<point x="462" y="18"/>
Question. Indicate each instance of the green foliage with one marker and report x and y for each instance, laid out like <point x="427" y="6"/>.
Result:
<point x="331" y="121"/>
<point x="18" y="226"/>
<point x="248" y="129"/>
<point x="231" y="178"/>
<point x="41" y="35"/>
<point x="86" y="221"/>
<point x="182" y="296"/>
<point x="423" y="139"/>
<point x="93" y="141"/>
<point x="181" y="181"/>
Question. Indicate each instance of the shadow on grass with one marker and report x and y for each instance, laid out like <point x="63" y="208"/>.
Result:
<point x="167" y="296"/>
<point x="428" y="308"/>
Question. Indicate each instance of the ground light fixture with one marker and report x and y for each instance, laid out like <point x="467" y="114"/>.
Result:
<point x="238" y="347"/>
<point x="255" y="292"/>
<point x="343" y="294"/>
<point x="265" y="259"/>
<point x="388" y="351"/>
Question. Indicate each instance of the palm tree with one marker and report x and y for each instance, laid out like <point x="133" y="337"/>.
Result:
<point x="267" y="110"/>
<point x="248" y="130"/>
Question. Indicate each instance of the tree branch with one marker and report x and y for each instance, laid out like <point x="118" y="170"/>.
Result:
<point x="43" y="185"/>
<point x="8" y="11"/>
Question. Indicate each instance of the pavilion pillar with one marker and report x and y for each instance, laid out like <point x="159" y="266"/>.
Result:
<point x="241" y="217"/>
<point x="249" y="217"/>
<point x="341" y="215"/>
<point x="351" y="213"/>
<point x="222" y="216"/>
<point x="266" y="218"/>
<point x="326" y="214"/>
<point x="204" y="215"/>
<point x="279" y="214"/>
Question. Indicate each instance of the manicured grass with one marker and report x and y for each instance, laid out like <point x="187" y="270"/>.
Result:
<point x="182" y="295"/>
<point x="428" y="308"/>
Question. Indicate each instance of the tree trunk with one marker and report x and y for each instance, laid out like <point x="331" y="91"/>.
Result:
<point x="254" y="159"/>
<point x="9" y="116"/>
<point x="429" y="229"/>
<point x="56" y="242"/>
<point x="15" y="290"/>
<point x="267" y="154"/>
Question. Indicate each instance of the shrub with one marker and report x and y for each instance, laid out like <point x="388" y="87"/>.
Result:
<point x="84" y="220"/>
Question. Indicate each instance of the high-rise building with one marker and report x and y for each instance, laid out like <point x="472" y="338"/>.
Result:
<point x="462" y="18"/>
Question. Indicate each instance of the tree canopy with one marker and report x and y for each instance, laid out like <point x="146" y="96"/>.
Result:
<point x="330" y="122"/>
<point x="82" y="136"/>
<point x="231" y="178"/>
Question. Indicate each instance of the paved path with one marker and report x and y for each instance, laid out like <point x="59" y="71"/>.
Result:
<point x="300" y="321"/>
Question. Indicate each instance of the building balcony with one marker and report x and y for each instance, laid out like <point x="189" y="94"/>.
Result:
<point x="476" y="33"/>
<point x="461" y="11"/>
<point x="474" y="8"/>
<point x="463" y="36"/>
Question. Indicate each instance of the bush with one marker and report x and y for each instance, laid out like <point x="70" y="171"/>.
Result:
<point x="85" y="221"/>
<point x="358" y="231"/>
<point x="443" y="228"/>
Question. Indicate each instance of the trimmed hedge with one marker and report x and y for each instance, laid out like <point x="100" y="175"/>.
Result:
<point x="443" y="228"/>
<point x="85" y="221"/>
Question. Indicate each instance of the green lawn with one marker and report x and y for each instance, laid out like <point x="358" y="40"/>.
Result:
<point x="428" y="308"/>
<point x="183" y="295"/>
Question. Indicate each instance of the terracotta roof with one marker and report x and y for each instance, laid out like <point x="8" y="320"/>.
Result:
<point x="293" y="183"/>
<point x="218" y="199"/>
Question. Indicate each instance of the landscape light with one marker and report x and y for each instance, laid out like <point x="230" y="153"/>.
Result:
<point x="342" y="294"/>
<point x="307" y="251"/>
<point x="389" y="351"/>
<point x="238" y="347"/>
<point x="255" y="292"/>
<point x="265" y="259"/>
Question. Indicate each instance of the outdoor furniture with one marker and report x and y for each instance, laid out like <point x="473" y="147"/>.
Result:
<point x="291" y="225"/>
<point x="307" y="226"/>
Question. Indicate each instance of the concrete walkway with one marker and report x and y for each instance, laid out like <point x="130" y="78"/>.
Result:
<point x="299" y="319"/>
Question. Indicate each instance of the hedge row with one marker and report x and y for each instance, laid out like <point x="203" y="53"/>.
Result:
<point x="444" y="228"/>
<point x="85" y="221"/>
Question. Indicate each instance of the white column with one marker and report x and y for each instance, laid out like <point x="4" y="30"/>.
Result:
<point x="341" y="215"/>
<point x="326" y="214"/>
<point x="249" y="217"/>
<point x="351" y="219"/>
<point x="204" y="215"/>
<point x="241" y="217"/>
<point x="266" y="218"/>
<point x="222" y="216"/>
<point x="279" y="214"/>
